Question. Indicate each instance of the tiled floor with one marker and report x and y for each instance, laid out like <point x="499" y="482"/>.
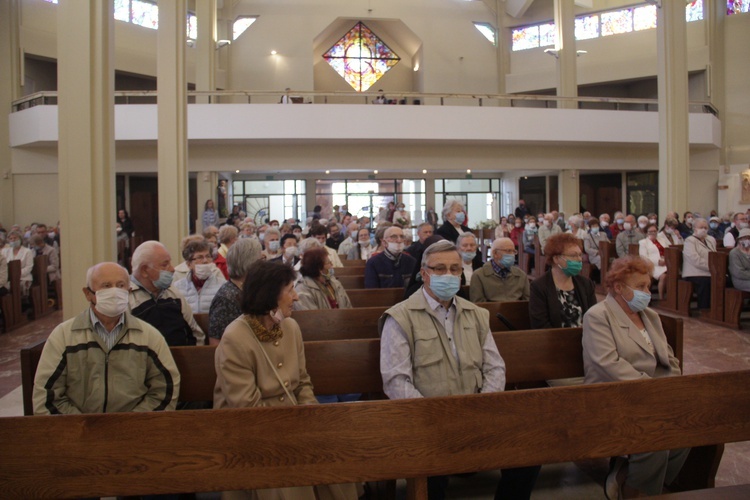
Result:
<point x="708" y="348"/>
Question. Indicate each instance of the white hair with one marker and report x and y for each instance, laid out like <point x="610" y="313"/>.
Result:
<point x="144" y="253"/>
<point x="91" y="270"/>
<point x="463" y="236"/>
<point x="496" y="243"/>
<point x="448" y="207"/>
<point x="308" y="243"/>
<point x="439" y="247"/>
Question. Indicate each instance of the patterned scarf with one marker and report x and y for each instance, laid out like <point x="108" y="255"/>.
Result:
<point x="263" y="334"/>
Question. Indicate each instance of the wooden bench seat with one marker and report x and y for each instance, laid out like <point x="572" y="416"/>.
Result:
<point x="726" y="302"/>
<point x="679" y="292"/>
<point x="353" y="282"/>
<point x="171" y="452"/>
<point x="13" y="314"/>
<point x="349" y="271"/>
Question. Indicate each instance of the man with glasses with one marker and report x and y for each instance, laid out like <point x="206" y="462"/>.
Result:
<point x="392" y="268"/>
<point x="437" y="344"/>
<point x="499" y="280"/>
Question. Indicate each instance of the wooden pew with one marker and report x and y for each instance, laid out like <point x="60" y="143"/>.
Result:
<point x="607" y="252"/>
<point x="39" y="293"/>
<point x="352" y="282"/>
<point x="353" y="262"/>
<point x="586" y="265"/>
<point x="541" y="261"/>
<point x="375" y="297"/>
<point x="679" y="292"/>
<point x="523" y="257"/>
<point x="349" y="271"/>
<point x="263" y="446"/>
<point x="634" y="249"/>
<point x="15" y="317"/>
<point x="202" y="320"/>
<point x="726" y="303"/>
<point x="362" y="322"/>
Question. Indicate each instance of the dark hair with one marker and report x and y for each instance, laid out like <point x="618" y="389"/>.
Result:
<point x="263" y="284"/>
<point x="205" y="206"/>
<point x="288" y="236"/>
<point x="317" y="230"/>
<point x="296" y="226"/>
<point x="313" y="262"/>
<point x="193" y="246"/>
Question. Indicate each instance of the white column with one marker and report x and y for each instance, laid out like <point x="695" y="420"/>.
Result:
<point x="672" y="77"/>
<point x="85" y="82"/>
<point x="205" y="65"/>
<point x="567" y="79"/>
<point x="172" y="113"/>
<point x="568" y="190"/>
<point x="10" y="90"/>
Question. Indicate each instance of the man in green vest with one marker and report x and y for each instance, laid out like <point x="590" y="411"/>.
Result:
<point x="437" y="344"/>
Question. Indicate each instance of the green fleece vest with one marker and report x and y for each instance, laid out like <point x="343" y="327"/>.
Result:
<point x="436" y="371"/>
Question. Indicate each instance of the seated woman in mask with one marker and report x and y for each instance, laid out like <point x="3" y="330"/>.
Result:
<point x="203" y="279"/>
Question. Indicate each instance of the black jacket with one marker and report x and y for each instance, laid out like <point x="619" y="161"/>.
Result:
<point x="545" y="310"/>
<point x="449" y="232"/>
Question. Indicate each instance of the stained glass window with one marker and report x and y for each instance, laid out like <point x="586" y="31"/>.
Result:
<point x="122" y="10"/>
<point x="616" y="22"/>
<point x="51" y="1"/>
<point x="644" y="18"/>
<point x="694" y="11"/>
<point x="361" y="57"/>
<point x="547" y="34"/>
<point x="526" y="38"/>
<point x="737" y="6"/>
<point x="240" y="25"/>
<point x="587" y="27"/>
<point x="144" y="14"/>
<point x="488" y="31"/>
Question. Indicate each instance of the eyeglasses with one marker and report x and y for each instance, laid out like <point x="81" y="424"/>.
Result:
<point x="395" y="237"/>
<point x="504" y="251"/>
<point x="442" y="270"/>
<point x="201" y="258"/>
<point x="573" y="256"/>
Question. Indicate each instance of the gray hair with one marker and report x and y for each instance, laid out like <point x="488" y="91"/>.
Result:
<point x="449" y="206"/>
<point x="91" y="270"/>
<point x="308" y="243"/>
<point x="441" y="246"/>
<point x="241" y="256"/>
<point x="463" y="236"/>
<point x="143" y="253"/>
<point x="227" y="233"/>
<point x="423" y="225"/>
<point x="272" y="230"/>
<point x="696" y="220"/>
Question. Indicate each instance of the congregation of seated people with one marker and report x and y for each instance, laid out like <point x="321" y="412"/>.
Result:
<point x="249" y="278"/>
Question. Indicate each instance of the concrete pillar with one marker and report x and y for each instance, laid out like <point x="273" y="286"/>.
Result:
<point x="10" y="90"/>
<point x="172" y="113"/>
<point x="205" y="66"/>
<point x="672" y="78"/>
<point x="567" y="79"/>
<point x="311" y="198"/>
<point x="567" y="186"/>
<point x="715" y="15"/>
<point x="86" y="148"/>
<point x="502" y="50"/>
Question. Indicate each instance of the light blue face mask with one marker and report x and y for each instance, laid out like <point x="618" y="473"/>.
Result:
<point x="273" y="246"/>
<point x="507" y="260"/>
<point x="460" y="217"/>
<point x="446" y="286"/>
<point x="164" y="281"/>
<point x="467" y="256"/>
<point x="640" y="300"/>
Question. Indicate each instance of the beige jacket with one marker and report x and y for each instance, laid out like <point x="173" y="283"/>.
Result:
<point x="244" y="377"/>
<point x="695" y="256"/>
<point x="312" y="296"/>
<point x="614" y="349"/>
<point x="486" y="286"/>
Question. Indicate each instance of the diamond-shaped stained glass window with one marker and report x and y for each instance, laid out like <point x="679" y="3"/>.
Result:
<point x="361" y="58"/>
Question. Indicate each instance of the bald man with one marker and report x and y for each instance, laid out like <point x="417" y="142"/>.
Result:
<point x="105" y="360"/>
<point x="391" y="268"/>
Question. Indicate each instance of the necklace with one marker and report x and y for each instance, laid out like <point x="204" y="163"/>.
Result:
<point x="263" y="334"/>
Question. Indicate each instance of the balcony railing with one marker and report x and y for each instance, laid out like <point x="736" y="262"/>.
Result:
<point x="397" y="98"/>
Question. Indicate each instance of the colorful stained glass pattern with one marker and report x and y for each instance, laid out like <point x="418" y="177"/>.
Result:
<point x="145" y="14"/>
<point x="547" y="34"/>
<point x="240" y="25"/>
<point x="587" y="27"/>
<point x="737" y="6"/>
<point x="644" y="18"/>
<point x="616" y="22"/>
<point x="694" y="11"/>
<point x="526" y="38"/>
<point x="361" y="57"/>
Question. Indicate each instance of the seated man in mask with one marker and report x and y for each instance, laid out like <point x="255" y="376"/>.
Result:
<point x="391" y="268"/>
<point x="437" y="344"/>
<point x="155" y="301"/>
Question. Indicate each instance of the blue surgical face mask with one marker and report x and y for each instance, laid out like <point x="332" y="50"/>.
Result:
<point x="164" y="281"/>
<point x="594" y="231"/>
<point x="467" y="256"/>
<point x="507" y="260"/>
<point x="446" y="286"/>
<point x="460" y="217"/>
<point x="273" y="246"/>
<point x="354" y="234"/>
<point x="713" y="225"/>
<point x="640" y="300"/>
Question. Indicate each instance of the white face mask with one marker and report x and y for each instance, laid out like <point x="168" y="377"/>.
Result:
<point x="652" y="221"/>
<point x="204" y="271"/>
<point x="395" y="248"/>
<point x="642" y="225"/>
<point x="627" y="226"/>
<point x="112" y="302"/>
<point x="603" y="223"/>
<point x="701" y="233"/>
<point x="290" y="252"/>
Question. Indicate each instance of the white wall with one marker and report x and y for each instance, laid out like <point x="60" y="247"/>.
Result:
<point x="737" y="115"/>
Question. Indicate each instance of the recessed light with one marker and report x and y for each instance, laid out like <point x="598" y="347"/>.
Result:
<point x="468" y="170"/>
<point x="273" y="52"/>
<point x="424" y="171"/>
<point x="328" y="171"/>
<point x="374" y="171"/>
<point x="236" y="171"/>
